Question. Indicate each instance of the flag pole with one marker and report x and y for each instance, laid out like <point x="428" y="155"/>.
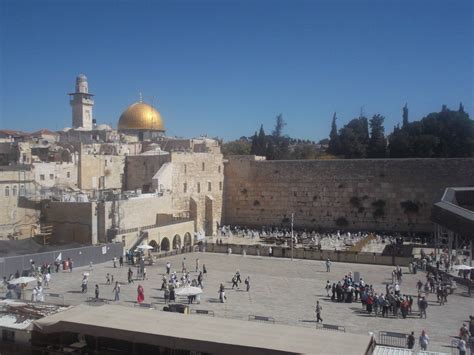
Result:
<point x="292" y="215"/>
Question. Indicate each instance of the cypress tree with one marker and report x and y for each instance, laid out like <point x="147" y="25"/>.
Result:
<point x="334" y="144"/>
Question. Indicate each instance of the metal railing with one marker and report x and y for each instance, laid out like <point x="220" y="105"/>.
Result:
<point x="398" y="340"/>
<point x="261" y="319"/>
<point x="331" y="327"/>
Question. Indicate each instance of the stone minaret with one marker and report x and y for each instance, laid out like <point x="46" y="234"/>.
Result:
<point x="82" y="103"/>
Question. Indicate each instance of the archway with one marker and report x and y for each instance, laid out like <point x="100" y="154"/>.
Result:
<point x="187" y="240"/>
<point x="165" y="244"/>
<point x="176" y="242"/>
<point x="154" y="244"/>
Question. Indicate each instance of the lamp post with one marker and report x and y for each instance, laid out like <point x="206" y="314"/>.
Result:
<point x="292" y="215"/>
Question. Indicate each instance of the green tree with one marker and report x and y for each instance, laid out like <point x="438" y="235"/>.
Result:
<point x="262" y="142"/>
<point x="444" y="134"/>
<point x="377" y="142"/>
<point x="278" y="145"/>
<point x="334" y="137"/>
<point x="354" y="138"/>
<point x="237" y="147"/>
<point x="254" y="144"/>
<point x="279" y="125"/>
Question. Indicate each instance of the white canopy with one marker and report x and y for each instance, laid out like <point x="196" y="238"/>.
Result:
<point x="22" y="280"/>
<point x="188" y="291"/>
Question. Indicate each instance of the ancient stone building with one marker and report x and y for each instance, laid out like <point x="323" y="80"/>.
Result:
<point x="19" y="217"/>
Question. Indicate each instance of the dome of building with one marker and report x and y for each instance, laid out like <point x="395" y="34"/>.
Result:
<point x="141" y="116"/>
<point x="81" y="77"/>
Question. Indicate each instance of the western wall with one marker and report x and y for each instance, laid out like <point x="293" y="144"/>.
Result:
<point x="358" y="195"/>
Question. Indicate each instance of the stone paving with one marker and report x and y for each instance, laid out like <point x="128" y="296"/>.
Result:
<point x="284" y="289"/>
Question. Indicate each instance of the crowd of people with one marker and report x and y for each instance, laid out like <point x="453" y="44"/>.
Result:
<point x="336" y="240"/>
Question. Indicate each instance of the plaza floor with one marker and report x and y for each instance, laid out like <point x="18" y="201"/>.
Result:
<point x="283" y="289"/>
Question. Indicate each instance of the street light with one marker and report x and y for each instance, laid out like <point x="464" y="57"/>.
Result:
<point x="292" y="215"/>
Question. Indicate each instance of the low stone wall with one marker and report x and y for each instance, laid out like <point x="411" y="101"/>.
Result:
<point x="311" y="254"/>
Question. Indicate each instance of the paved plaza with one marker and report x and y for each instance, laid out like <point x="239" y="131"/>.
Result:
<point x="283" y="289"/>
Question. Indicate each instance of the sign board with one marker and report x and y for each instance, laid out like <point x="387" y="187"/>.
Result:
<point x="104" y="250"/>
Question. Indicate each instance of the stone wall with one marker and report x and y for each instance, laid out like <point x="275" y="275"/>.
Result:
<point x="140" y="170"/>
<point x="197" y="187"/>
<point x="73" y="222"/>
<point x="98" y="171"/>
<point x="378" y="195"/>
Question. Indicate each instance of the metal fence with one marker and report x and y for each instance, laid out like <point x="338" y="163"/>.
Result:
<point x="80" y="256"/>
<point x="398" y="340"/>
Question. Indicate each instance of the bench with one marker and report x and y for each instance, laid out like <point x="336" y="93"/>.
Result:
<point x="331" y="327"/>
<point x="144" y="305"/>
<point x="398" y="340"/>
<point x="261" y="318"/>
<point x="203" y="312"/>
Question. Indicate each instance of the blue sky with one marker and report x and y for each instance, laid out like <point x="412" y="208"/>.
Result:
<point x="223" y="67"/>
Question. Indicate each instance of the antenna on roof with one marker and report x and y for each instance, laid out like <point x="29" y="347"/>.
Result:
<point x="141" y="97"/>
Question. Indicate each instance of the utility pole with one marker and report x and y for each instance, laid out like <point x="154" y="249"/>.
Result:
<point x="292" y="215"/>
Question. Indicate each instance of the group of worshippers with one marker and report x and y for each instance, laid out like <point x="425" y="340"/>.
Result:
<point x="437" y="284"/>
<point x="393" y="302"/>
<point x="171" y="281"/>
<point x="43" y="278"/>
<point x="271" y="234"/>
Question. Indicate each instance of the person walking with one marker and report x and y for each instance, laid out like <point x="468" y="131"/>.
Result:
<point x="422" y="305"/>
<point x="204" y="270"/>
<point x="168" y="268"/>
<point x="116" y="291"/>
<point x="234" y="282"/>
<point x="84" y="284"/>
<point x="247" y="283"/>
<point x="167" y="294"/>
<point x="424" y="340"/>
<point x="121" y="261"/>
<point x="318" y="312"/>
<point x="328" y="287"/>
<point x="130" y="275"/>
<point x="140" y="294"/>
<point x="462" y="347"/>
<point x="172" y="294"/>
<point x="114" y="261"/>
<point x="197" y="265"/>
<point x="96" y="291"/>
<point x="199" y="279"/>
<point x="411" y="340"/>
<point x="222" y="296"/>
<point x="328" y="265"/>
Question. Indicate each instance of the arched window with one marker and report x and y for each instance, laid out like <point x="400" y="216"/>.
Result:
<point x="14" y="191"/>
<point x="7" y="190"/>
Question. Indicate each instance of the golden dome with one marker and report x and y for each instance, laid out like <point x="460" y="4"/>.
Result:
<point x="141" y="116"/>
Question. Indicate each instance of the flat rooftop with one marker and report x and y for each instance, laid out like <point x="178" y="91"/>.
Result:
<point x="201" y="333"/>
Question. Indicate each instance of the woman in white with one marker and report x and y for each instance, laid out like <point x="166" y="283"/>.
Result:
<point x="34" y="295"/>
<point x="40" y="295"/>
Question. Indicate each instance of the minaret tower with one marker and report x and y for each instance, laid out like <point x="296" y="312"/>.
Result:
<point x="81" y="102"/>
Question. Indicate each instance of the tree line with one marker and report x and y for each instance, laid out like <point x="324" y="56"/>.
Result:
<point x="444" y="134"/>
